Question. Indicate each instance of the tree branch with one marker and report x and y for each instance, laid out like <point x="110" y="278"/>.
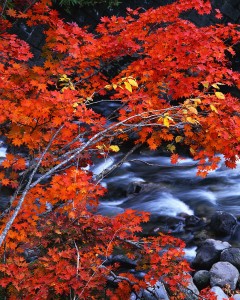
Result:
<point x="109" y="170"/>
<point x="27" y="188"/>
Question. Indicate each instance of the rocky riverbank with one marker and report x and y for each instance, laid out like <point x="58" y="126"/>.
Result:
<point x="216" y="264"/>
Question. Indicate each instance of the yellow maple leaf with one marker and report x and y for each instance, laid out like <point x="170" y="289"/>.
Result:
<point x="215" y="86"/>
<point x="133" y="82"/>
<point x="205" y="84"/>
<point x="178" y="139"/>
<point x="128" y="86"/>
<point x="171" y="148"/>
<point x="114" y="148"/>
<point x="213" y="108"/>
<point x="108" y="87"/>
<point x="193" y="110"/>
<point x="166" y="122"/>
<point x="191" y="120"/>
<point x="219" y="95"/>
<point x="75" y="104"/>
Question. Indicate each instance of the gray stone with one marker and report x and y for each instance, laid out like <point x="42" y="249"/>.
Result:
<point x="137" y="187"/>
<point x="201" y="236"/>
<point x="236" y="234"/>
<point x="236" y="297"/>
<point x="229" y="11"/>
<point x="209" y="253"/>
<point x="31" y="255"/>
<point x="191" y="292"/>
<point x="201" y="279"/>
<point x="158" y="291"/>
<point x="194" y="222"/>
<point x="231" y="255"/>
<point x="223" y="223"/>
<point x="123" y="260"/>
<point x="219" y="293"/>
<point x="223" y="273"/>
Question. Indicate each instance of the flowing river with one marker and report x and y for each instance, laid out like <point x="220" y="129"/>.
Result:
<point x="149" y="182"/>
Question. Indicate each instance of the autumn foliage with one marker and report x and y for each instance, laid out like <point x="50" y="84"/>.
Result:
<point x="171" y="90"/>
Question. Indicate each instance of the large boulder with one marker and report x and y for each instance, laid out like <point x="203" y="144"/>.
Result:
<point x="223" y="273"/>
<point x="223" y="223"/>
<point x="231" y="255"/>
<point x="209" y="253"/>
<point x="201" y="279"/>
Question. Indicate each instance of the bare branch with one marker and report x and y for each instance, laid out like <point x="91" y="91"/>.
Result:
<point x="26" y="189"/>
<point x="109" y="170"/>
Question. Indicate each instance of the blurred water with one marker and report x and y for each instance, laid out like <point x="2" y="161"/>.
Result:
<point x="3" y="151"/>
<point x="176" y="188"/>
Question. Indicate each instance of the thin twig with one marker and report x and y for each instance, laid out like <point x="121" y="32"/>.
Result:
<point x="78" y="259"/>
<point x="109" y="170"/>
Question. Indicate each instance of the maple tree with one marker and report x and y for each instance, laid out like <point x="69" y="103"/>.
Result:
<point x="170" y="94"/>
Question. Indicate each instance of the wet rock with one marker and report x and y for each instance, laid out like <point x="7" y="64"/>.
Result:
<point x="137" y="187"/>
<point x="219" y="293"/>
<point x="201" y="279"/>
<point x="231" y="255"/>
<point x="174" y="224"/>
<point x="223" y="273"/>
<point x="209" y="253"/>
<point x="236" y="234"/>
<point x="192" y="292"/>
<point x="122" y="260"/>
<point x="194" y="222"/>
<point x="201" y="236"/>
<point x="158" y="291"/>
<point x="165" y="224"/>
<point x="223" y="223"/>
<point x="31" y="255"/>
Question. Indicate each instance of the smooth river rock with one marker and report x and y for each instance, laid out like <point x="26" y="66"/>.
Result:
<point x="209" y="253"/>
<point x="219" y="293"/>
<point x="231" y="255"/>
<point x="223" y="273"/>
<point x="201" y="279"/>
<point x="223" y="223"/>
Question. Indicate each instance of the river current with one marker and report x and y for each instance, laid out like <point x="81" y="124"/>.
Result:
<point x="149" y="182"/>
<point x="174" y="189"/>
